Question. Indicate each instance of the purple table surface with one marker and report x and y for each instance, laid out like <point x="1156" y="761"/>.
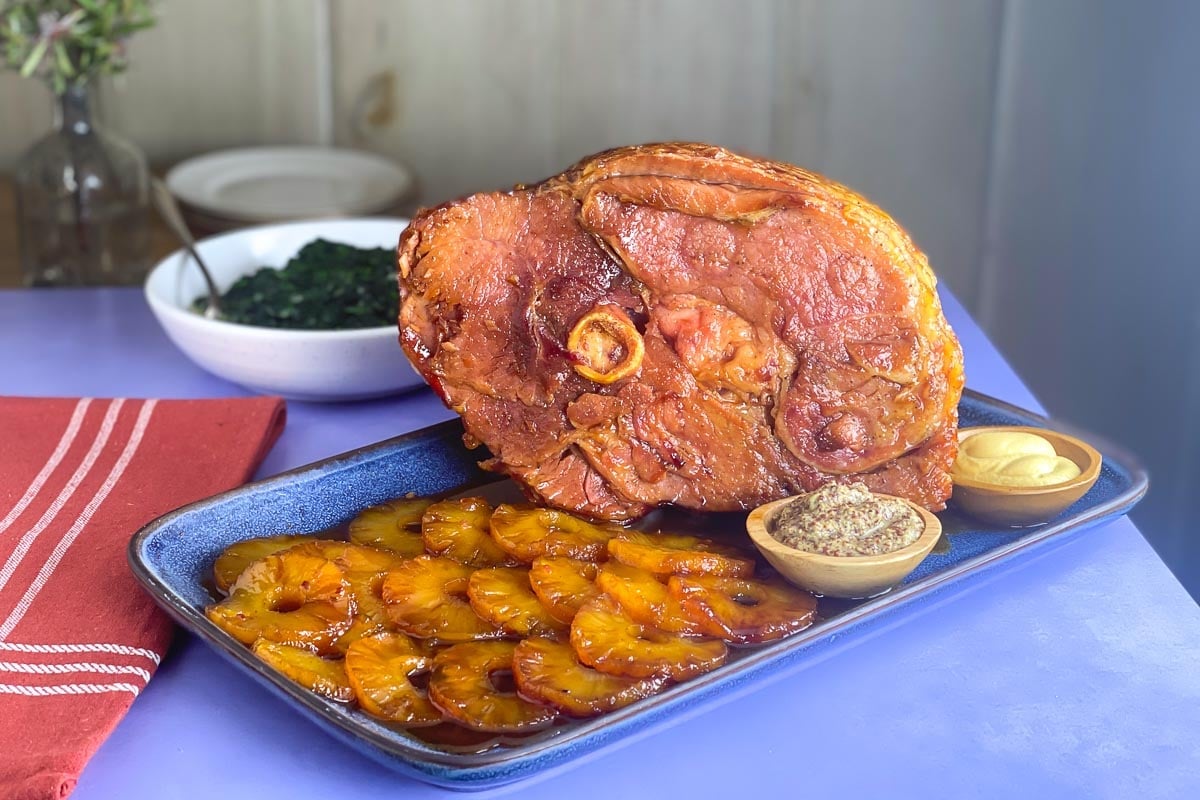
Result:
<point x="1072" y="674"/>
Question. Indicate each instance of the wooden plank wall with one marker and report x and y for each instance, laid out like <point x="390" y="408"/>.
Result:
<point x="213" y="73"/>
<point x="479" y="95"/>
<point x="893" y="97"/>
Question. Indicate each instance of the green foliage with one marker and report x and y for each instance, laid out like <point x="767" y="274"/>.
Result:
<point x="326" y="286"/>
<point x="67" y="42"/>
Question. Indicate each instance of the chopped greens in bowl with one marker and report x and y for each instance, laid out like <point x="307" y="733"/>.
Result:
<point x="339" y="279"/>
<point x="325" y="286"/>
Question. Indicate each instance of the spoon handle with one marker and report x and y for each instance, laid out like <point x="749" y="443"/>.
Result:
<point x="168" y="209"/>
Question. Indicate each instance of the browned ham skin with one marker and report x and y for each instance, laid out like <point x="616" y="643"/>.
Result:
<point x="791" y="330"/>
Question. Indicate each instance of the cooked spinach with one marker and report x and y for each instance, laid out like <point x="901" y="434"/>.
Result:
<point x="325" y="286"/>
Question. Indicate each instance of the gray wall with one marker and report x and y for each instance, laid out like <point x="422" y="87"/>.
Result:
<point x="1091" y="273"/>
<point x="1041" y="151"/>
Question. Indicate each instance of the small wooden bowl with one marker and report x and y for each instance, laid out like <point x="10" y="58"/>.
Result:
<point x="1020" y="505"/>
<point x="841" y="576"/>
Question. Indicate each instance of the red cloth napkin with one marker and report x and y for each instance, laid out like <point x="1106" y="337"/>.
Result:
<point x="78" y="637"/>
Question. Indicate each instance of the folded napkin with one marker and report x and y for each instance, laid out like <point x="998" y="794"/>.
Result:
<point x="78" y="637"/>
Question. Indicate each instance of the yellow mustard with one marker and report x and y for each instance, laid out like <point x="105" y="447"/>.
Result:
<point x="1012" y="458"/>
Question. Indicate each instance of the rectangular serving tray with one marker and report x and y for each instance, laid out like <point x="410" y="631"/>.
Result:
<point x="173" y="556"/>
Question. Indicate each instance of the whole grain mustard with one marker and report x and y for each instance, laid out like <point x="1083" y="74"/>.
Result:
<point x="838" y="520"/>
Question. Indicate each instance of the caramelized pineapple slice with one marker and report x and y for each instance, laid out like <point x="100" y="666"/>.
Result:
<point x="607" y="639"/>
<point x="459" y="530"/>
<point x="357" y="560"/>
<point x="371" y="616"/>
<point x="673" y="554"/>
<point x="368" y="597"/>
<point x="381" y="670"/>
<point x="394" y="526"/>
<point x="364" y="568"/>
<point x="426" y="597"/>
<point x="234" y="560"/>
<point x="563" y="585"/>
<point x="645" y="599"/>
<point x="323" y="676"/>
<point x="527" y="533"/>
<point x="503" y="596"/>
<point x="360" y="628"/>
<point x="550" y="673"/>
<point x="465" y="685"/>
<point x="297" y="597"/>
<point x="742" y="610"/>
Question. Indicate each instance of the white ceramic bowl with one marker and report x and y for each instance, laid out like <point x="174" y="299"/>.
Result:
<point x="302" y="365"/>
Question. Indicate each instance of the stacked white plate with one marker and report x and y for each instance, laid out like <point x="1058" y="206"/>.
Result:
<point x="256" y="185"/>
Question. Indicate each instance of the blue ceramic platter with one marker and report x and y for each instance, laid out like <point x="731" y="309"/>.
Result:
<point x="173" y="557"/>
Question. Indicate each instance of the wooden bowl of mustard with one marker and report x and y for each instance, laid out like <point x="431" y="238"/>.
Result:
<point x="1017" y="505"/>
<point x="841" y="576"/>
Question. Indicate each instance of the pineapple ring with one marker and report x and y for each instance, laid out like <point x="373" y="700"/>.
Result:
<point x="357" y="560"/>
<point x="360" y="628"/>
<point x="371" y="617"/>
<point x="563" y="585"/>
<point x="380" y="670"/>
<point x="459" y="529"/>
<point x="461" y="686"/>
<point x="606" y="638"/>
<point x="393" y="526"/>
<point x="674" y="554"/>
<point x="297" y="597"/>
<point x="364" y="568"/>
<point x="319" y="675"/>
<point x="745" y="611"/>
<point x="549" y="672"/>
<point x="527" y="533"/>
<point x="234" y="559"/>
<point x="645" y="599"/>
<point x="503" y="596"/>
<point x="426" y="597"/>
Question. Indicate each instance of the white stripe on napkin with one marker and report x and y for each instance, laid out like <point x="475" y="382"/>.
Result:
<point x="64" y="444"/>
<point x="67" y="669"/>
<point x="60" y="550"/>
<point x="69" y="688"/>
<point x="106" y="429"/>
<point x="119" y="649"/>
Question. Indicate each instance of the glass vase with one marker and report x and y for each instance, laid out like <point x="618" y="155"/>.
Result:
<point x="82" y="202"/>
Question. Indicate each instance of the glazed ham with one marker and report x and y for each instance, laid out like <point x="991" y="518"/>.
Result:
<point x="677" y="324"/>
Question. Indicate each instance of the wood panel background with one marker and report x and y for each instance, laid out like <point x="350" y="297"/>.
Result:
<point x="476" y="95"/>
<point x="1041" y="153"/>
<point x="213" y="73"/>
<point x="480" y="95"/>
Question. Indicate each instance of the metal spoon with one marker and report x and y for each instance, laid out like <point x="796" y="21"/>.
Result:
<point x="168" y="209"/>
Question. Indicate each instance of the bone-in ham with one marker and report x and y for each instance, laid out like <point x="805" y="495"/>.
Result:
<point x="679" y="324"/>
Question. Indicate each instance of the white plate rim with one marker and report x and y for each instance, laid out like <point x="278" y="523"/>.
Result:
<point x="187" y="179"/>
